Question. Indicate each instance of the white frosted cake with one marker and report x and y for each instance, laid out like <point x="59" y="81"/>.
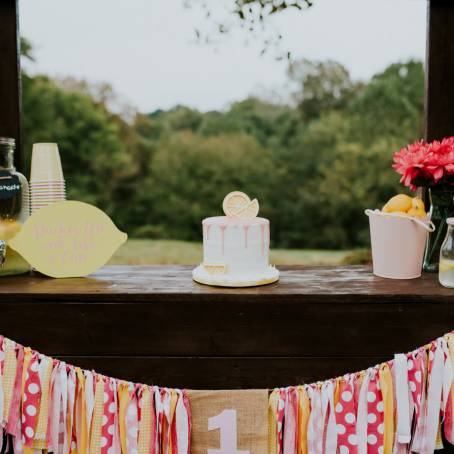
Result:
<point x="236" y="246"/>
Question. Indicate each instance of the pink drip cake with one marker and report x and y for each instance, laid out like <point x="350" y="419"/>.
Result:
<point x="236" y="247"/>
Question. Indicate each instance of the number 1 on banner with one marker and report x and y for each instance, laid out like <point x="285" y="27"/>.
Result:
<point x="226" y="423"/>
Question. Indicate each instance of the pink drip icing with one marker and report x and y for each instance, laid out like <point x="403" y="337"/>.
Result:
<point x="223" y="227"/>
<point x="246" y="230"/>
<point x="262" y="243"/>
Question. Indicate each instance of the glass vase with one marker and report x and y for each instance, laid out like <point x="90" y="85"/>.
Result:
<point x="441" y="207"/>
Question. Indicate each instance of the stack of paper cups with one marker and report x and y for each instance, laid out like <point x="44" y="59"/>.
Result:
<point x="47" y="184"/>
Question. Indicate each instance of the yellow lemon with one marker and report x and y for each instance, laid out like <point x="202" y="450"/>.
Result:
<point x="416" y="213"/>
<point x="418" y="204"/>
<point x="400" y="202"/>
<point x="417" y="208"/>
<point x="9" y="229"/>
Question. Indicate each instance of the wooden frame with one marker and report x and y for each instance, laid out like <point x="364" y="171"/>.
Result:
<point x="439" y="109"/>
<point x="10" y="81"/>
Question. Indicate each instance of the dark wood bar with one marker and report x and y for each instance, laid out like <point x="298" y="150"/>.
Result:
<point x="439" y="111"/>
<point x="154" y="324"/>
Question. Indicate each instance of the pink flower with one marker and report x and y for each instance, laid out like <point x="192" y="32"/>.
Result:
<point x="425" y="164"/>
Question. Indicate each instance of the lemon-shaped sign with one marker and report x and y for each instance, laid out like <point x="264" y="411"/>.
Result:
<point x="238" y="204"/>
<point x="68" y="239"/>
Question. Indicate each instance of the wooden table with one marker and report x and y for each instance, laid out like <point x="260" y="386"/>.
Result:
<point x="155" y="325"/>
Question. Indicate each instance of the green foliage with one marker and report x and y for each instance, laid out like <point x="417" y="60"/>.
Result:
<point x="321" y="86"/>
<point x="314" y="165"/>
<point x="93" y="154"/>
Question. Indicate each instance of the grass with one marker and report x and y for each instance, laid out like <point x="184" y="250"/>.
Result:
<point x="164" y="252"/>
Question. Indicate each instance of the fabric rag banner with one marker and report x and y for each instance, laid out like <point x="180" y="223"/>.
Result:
<point x="400" y="406"/>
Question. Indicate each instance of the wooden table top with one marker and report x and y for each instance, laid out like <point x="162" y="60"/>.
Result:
<point x="154" y="324"/>
<point x="162" y="282"/>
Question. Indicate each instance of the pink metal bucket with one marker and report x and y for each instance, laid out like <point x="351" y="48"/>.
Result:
<point x="398" y="244"/>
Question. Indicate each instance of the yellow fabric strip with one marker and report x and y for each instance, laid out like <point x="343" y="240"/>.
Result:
<point x="9" y="376"/>
<point x="41" y="427"/>
<point x="27" y="359"/>
<point x="337" y="390"/>
<point x="272" y="421"/>
<point x="80" y="412"/>
<point x="386" y="387"/>
<point x="144" y="443"/>
<point x="439" y="440"/>
<point x="304" y="412"/>
<point x="98" y="410"/>
<point x="123" y="402"/>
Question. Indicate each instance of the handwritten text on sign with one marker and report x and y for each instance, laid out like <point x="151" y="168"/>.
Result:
<point x="68" y="239"/>
<point x="227" y="424"/>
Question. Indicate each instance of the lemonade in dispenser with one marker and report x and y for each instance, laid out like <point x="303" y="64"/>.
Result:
<point x="14" y="209"/>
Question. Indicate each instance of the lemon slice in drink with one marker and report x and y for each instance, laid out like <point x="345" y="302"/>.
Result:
<point x="446" y="265"/>
<point x="234" y="202"/>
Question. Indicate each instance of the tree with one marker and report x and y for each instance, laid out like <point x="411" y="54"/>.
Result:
<point x="391" y="105"/>
<point x="189" y="176"/>
<point x="94" y="157"/>
<point x="158" y="175"/>
<point x="249" y="15"/>
<point x="321" y="86"/>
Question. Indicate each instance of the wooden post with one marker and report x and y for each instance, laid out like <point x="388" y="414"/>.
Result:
<point x="439" y="109"/>
<point x="10" y="81"/>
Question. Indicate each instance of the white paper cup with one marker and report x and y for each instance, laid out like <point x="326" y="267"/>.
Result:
<point x="46" y="163"/>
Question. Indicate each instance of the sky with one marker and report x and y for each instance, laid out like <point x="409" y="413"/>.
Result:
<point x="146" y="49"/>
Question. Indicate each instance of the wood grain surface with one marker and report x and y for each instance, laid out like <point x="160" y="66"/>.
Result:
<point x="154" y="324"/>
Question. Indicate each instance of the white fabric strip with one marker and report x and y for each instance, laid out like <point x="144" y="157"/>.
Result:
<point x="315" y="430"/>
<point x="330" y="423"/>
<point x="90" y="403"/>
<point x="434" y="401"/>
<point x="448" y="374"/>
<point x="361" y="419"/>
<point x="182" y="422"/>
<point x="403" y="407"/>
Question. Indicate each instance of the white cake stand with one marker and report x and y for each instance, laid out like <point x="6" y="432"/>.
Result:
<point x="201" y="276"/>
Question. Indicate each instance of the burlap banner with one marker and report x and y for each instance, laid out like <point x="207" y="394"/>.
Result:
<point x="229" y="422"/>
